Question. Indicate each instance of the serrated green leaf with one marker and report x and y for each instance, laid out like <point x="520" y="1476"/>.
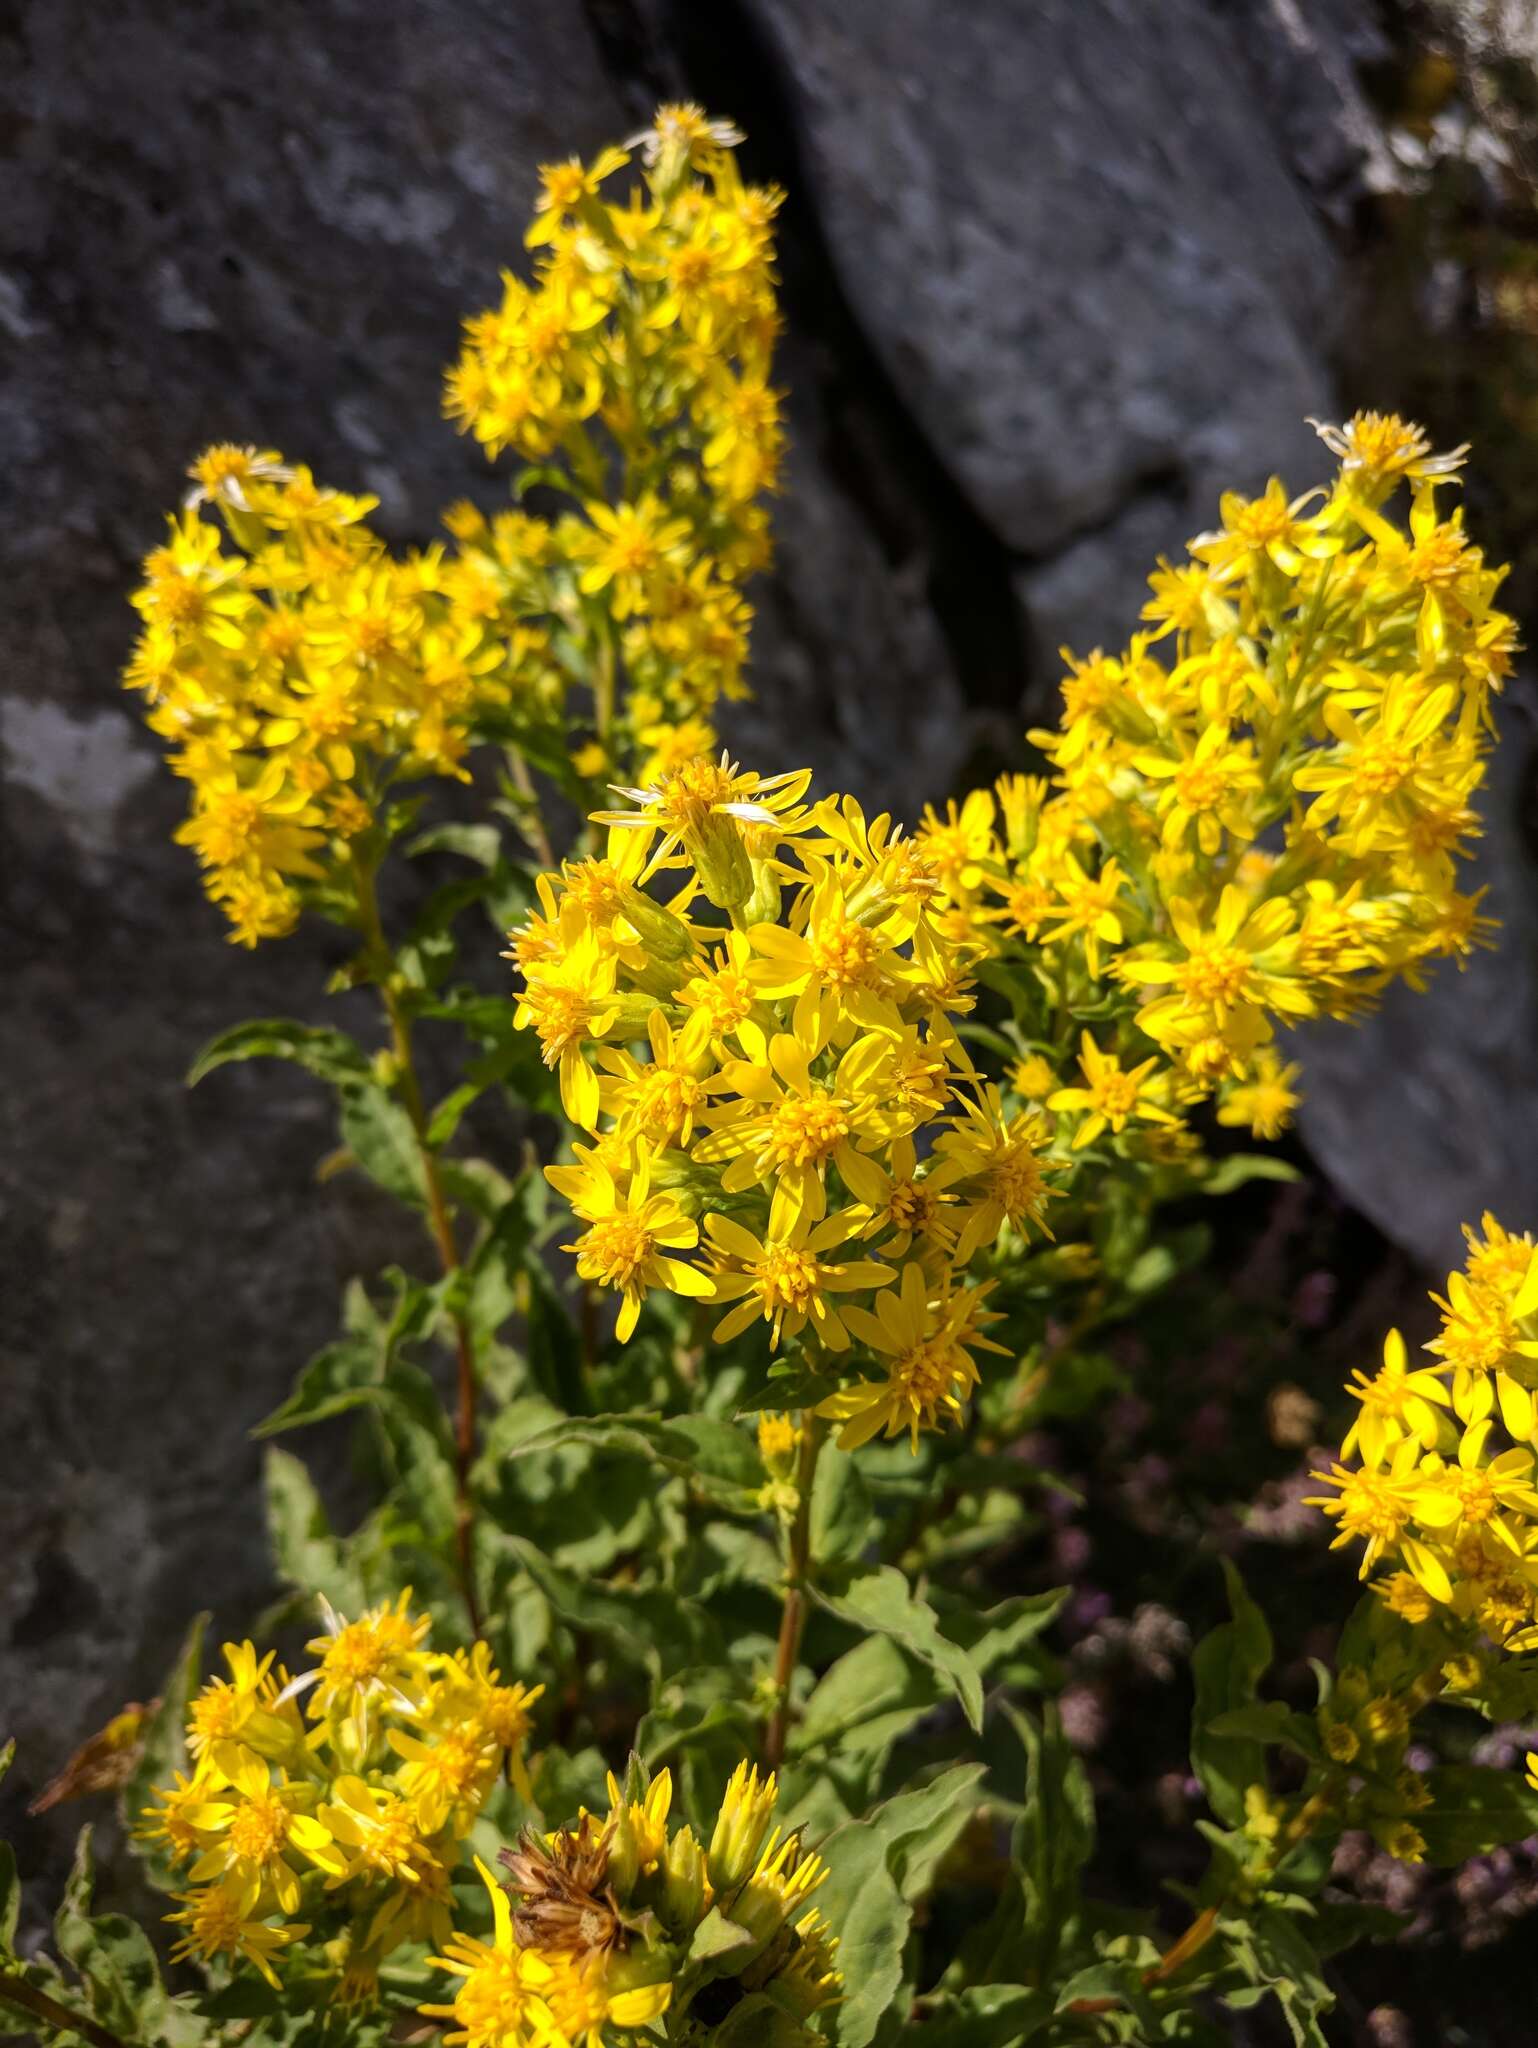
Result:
<point x="318" y="1048"/>
<point x="878" y="1597"/>
<point x="1228" y="1666"/>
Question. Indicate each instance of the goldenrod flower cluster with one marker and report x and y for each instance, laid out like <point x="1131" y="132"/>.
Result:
<point x="345" y="1831"/>
<point x="593" y="1929"/>
<point x="1444" y="1490"/>
<point x="1258" y="807"/>
<point x="805" y="1119"/>
<point x="633" y="371"/>
<point x="298" y="670"/>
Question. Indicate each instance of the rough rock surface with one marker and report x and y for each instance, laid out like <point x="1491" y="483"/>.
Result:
<point x="1053" y="276"/>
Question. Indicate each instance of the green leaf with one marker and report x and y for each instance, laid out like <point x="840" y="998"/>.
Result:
<point x="338" y="1378"/>
<point x="318" y="1048"/>
<point x="993" y="1635"/>
<point x="1475" y="1808"/>
<point x="987" y="2016"/>
<point x="714" y="1457"/>
<point x="480" y="843"/>
<point x="842" y="1518"/>
<point x="647" y="1624"/>
<point x="304" y="1550"/>
<point x="1239" y="1168"/>
<point x="1228" y="1666"/>
<point x="165" y="1747"/>
<point x="878" y="1597"/>
<point x="1121" y="1981"/>
<point x="869" y="1697"/>
<point x="380" y="1136"/>
<point x="757" y="2022"/>
<point x="868" y="1896"/>
<point x="1054" y="1840"/>
<point x="111" y="1954"/>
<point x="1272" y="1952"/>
<point x="716" y="1940"/>
<point x="1271" y="1722"/>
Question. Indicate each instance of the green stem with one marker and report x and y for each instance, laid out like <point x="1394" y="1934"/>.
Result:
<point x="381" y="964"/>
<point x="531" y="822"/>
<point x="798" y="1574"/>
<point x="27" y="1998"/>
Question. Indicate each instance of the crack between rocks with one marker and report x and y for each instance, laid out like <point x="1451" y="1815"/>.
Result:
<point x="879" y="457"/>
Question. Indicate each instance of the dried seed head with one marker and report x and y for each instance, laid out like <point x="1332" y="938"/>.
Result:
<point x="562" y="1901"/>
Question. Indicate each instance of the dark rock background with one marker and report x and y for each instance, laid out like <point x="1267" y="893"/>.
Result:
<point x="1054" y="274"/>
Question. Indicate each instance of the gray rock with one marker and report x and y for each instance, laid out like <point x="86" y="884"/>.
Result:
<point x="1083" y="260"/>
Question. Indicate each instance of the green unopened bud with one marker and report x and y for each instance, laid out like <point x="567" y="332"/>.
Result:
<point x="721" y="862"/>
<point x="745" y="1810"/>
<point x="683" y="1883"/>
<point x="763" y="904"/>
<point x="664" y="935"/>
<point x="624" y="1855"/>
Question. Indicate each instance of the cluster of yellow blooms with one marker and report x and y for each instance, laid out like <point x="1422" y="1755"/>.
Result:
<point x="295" y="673"/>
<point x="358" y="1820"/>
<point x="355" y="1820"/>
<point x="298" y="669"/>
<point x="653" y="320"/>
<point x="595" y="1925"/>
<point x="1264" y="823"/>
<point x="1265" y="830"/>
<point x="1445" y="1487"/>
<point x="799" y="1057"/>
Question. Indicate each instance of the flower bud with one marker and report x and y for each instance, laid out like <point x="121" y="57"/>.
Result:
<point x="624" y="1854"/>
<point x="721" y="862"/>
<point x="683" y="1883"/>
<point x="740" y="1825"/>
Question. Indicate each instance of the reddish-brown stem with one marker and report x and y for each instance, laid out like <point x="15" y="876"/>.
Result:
<point x="798" y="1568"/>
<point x="27" y="1998"/>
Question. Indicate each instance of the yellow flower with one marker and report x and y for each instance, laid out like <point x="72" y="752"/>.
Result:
<point x="1111" y="1096"/>
<point x="997" y="1168"/>
<point x="929" y="1372"/>
<point x="220" y="1922"/>
<point x="1396" y="1403"/>
<point x="1246" y="958"/>
<point x="376" y="1659"/>
<point x="785" y="1279"/>
<point x="1087" y="908"/>
<point x="1264" y="1103"/>
<point x="630" y="1236"/>
<point x="498" y="2002"/>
